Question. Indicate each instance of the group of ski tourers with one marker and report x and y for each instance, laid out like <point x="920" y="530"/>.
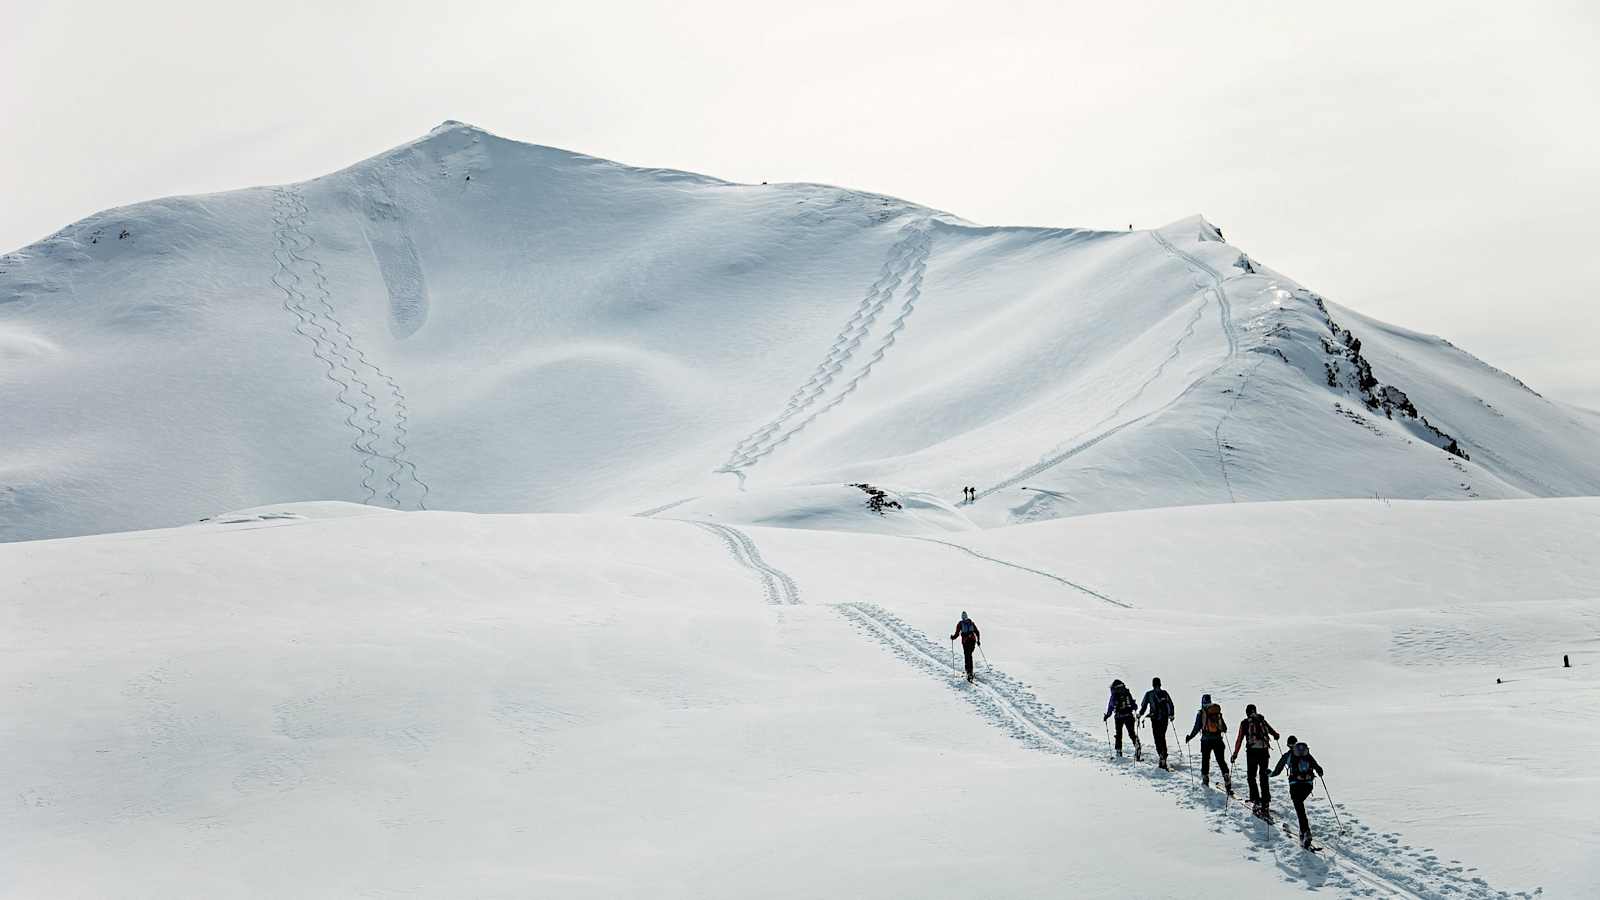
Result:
<point x="1255" y="735"/>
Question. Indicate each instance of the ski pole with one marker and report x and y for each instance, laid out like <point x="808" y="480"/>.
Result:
<point x="952" y="653"/>
<point x="1107" y="727"/>
<point x="983" y="654"/>
<point x="1331" y="806"/>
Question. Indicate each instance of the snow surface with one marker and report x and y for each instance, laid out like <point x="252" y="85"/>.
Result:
<point x="445" y="704"/>
<point x="665" y="646"/>
<point x="472" y="323"/>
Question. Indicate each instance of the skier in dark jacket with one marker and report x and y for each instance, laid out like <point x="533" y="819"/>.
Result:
<point x="1121" y="703"/>
<point x="967" y="630"/>
<point x="1303" y="770"/>
<point x="1157" y="705"/>
<point x="1209" y="724"/>
<point x="1256" y="734"/>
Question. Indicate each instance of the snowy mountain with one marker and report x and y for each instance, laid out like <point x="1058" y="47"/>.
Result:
<point x="472" y="323"/>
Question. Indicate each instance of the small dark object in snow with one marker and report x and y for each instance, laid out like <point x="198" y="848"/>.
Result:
<point x="1565" y="662"/>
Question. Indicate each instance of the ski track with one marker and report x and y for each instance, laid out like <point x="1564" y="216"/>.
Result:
<point x="1216" y="433"/>
<point x="1056" y="578"/>
<point x="295" y="244"/>
<point x="654" y="510"/>
<point x="1216" y="291"/>
<point x="913" y="293"/>
<point x="843" y="347"/>
<point x="778" y="586"/>
<point x="908" y="257"/>
<point x="287" y="280"/>
<point x="1358" y="861"/>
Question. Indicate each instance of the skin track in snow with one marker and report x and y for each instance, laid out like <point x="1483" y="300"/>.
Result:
<point x="1361" y="862"/>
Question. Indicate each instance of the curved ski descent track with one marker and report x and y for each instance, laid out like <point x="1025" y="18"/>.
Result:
<point x="1361" y="861"/>
<point x="1056" y="578"/>
<point x="334" y="345"/>
<point x="779" y="587"/>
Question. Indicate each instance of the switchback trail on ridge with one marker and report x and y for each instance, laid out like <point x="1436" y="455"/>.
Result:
<point x="1359" y="861"/>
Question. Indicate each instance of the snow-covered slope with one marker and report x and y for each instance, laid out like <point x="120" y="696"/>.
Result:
<point x="472" y="323"/>
<point x="300" y="702"/>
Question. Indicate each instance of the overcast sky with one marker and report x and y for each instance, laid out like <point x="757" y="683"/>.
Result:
<point x="1435" y="165"/>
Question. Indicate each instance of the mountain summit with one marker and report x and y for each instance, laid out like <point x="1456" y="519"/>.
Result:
<point x="467" y="322"/>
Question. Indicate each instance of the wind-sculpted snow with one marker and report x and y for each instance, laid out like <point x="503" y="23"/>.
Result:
<point x="1357" y="860"/>
<point x="779" y="588"/>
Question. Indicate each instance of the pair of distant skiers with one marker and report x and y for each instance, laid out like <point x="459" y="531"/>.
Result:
<point x="969" y="495"/>
<point x="1255" y="735"/>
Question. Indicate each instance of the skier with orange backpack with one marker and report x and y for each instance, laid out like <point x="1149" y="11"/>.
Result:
<point x="1209" y="724"/>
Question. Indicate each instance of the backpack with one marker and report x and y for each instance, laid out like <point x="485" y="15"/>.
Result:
<point x="966" y="627"/>
<point x="1211" y="721"/>
<point x="1255" y="730"/>
<point x="1161" y="705"/>
<point x="1124" y="700"/>
<point x="1300" y="768"/>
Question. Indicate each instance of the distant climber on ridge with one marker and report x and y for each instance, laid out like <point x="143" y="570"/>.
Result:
<point x="1121" y="703"/>
<point x="1158" y="706"/>
<point x="967" y="630"/>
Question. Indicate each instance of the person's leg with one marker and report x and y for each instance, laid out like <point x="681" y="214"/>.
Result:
<point x="1298" y="793"/>
<point x="1252" y="761"/>
<point x="966" y="650"/>
<point x="1158" y="728"/>
<point x="1222" y="766"/>
<point x="1259" y="760"/>
<point x="1205" y="761"/>
<point x="1116" y="735"/>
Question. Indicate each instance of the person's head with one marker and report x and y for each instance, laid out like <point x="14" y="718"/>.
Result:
<point x="963" y="614"/>
<point x="1205" y="699"/>
<point x="1116" y="683"/>
<point x="1249" y="709"/>
<point x="1155" y="682"/>
<point x="1291" y="742"/>
<point x="1301" y="749"/>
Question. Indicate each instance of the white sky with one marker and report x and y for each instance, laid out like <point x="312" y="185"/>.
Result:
<point x="1433" y="164"/>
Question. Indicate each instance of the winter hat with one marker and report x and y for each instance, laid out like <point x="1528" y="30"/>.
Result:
<point x="963" y="614"/>
<point x="1291" y="742"/>
<point x="1249" y="709"/>
<point x="1116" y="683"/>
<point x="1205" y="699"/>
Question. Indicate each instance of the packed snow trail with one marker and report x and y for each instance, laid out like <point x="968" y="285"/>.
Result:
<point x="1360" y="861"/>
<point x="1056" y="578"/>
<point x="778" y="586"/>
<point x="908" y="259"/>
